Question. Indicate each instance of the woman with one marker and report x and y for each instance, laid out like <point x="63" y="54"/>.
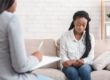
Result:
<point x="14" y="62"/>
<point x="77" y="48"/>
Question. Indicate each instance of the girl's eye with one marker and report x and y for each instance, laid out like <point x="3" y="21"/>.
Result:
<point x="78" y="24"/>
<point x="81" y="25"/>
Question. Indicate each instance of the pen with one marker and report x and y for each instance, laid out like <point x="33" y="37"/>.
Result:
<point x="40" y="45"/>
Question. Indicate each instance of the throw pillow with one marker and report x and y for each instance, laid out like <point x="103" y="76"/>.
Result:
<point x="108" y="67"/>
<point x="101" y="61"/>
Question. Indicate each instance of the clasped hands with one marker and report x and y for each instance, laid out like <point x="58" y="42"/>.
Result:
<point x="75" y="63"/>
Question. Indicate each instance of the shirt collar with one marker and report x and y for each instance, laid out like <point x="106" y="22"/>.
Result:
<point x="73" y="36"/>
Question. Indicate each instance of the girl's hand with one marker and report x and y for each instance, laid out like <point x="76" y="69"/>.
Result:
<point x="78" y="63"/>
<point x="67" y="63"/>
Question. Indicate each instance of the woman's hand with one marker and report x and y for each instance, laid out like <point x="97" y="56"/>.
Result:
<point x="78" y="63"/>
<point x="38" y="55"/>
<point x="81" y="61"/>
<point x="75" y="63"/>
<point x="67" y="63"/>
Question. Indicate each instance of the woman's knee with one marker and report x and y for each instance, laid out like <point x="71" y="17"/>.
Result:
<point x="70" y="71"/>
<point x="86" y="68"/>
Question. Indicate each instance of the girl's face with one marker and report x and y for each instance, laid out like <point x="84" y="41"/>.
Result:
<point x="13" y="7"/>
<point x="80" y="24"/>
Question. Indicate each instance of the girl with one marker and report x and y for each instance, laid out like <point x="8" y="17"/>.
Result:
<point x="77" y="48"/>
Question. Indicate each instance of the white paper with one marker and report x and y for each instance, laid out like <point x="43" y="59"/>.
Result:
<point x="46" y="60"/>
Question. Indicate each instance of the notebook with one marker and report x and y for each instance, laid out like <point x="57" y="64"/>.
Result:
<point x="46" y="60"/>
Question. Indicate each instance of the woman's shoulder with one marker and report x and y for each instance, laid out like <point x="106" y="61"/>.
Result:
<point x="91" y="35"/>
<point x="92" y="38"/>
<point x="65" y="34"/>
<point x="7" y="16"/>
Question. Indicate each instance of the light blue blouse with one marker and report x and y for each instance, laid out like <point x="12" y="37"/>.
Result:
<point x="14" y="62"/>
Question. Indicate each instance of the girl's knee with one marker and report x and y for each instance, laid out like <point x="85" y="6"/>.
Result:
<point x="85" y="68"/>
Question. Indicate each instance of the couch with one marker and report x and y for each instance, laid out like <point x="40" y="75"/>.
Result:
<point x="50" y="48"/>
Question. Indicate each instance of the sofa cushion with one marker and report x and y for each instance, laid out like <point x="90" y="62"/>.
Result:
<point x="100" y="75"/>
<point x="52" y="73"/>
<point x="48" y="48"/>
<point x="101" y="61"/>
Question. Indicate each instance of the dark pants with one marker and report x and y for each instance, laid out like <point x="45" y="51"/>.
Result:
<point x="82" y="73"/>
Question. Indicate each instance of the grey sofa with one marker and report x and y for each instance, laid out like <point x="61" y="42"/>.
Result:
<point x="50" y="48"/>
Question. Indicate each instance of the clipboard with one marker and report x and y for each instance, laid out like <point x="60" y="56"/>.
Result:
<point x="47" y="60"/>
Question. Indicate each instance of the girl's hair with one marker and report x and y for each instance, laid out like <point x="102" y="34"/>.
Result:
<point x="84" y="14"/>
<point x="5" y="4"/>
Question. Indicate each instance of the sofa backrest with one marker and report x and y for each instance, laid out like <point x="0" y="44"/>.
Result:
<point x="101" y="46"/>
<point x="48" y="48"/>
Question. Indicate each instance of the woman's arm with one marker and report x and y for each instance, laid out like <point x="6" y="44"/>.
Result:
<point x="19" y="59"/>
<point x="66" y="62"/>
<point x="63" y="49"/>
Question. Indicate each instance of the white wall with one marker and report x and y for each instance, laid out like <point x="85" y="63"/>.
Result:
<point x="50" y="18"/>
